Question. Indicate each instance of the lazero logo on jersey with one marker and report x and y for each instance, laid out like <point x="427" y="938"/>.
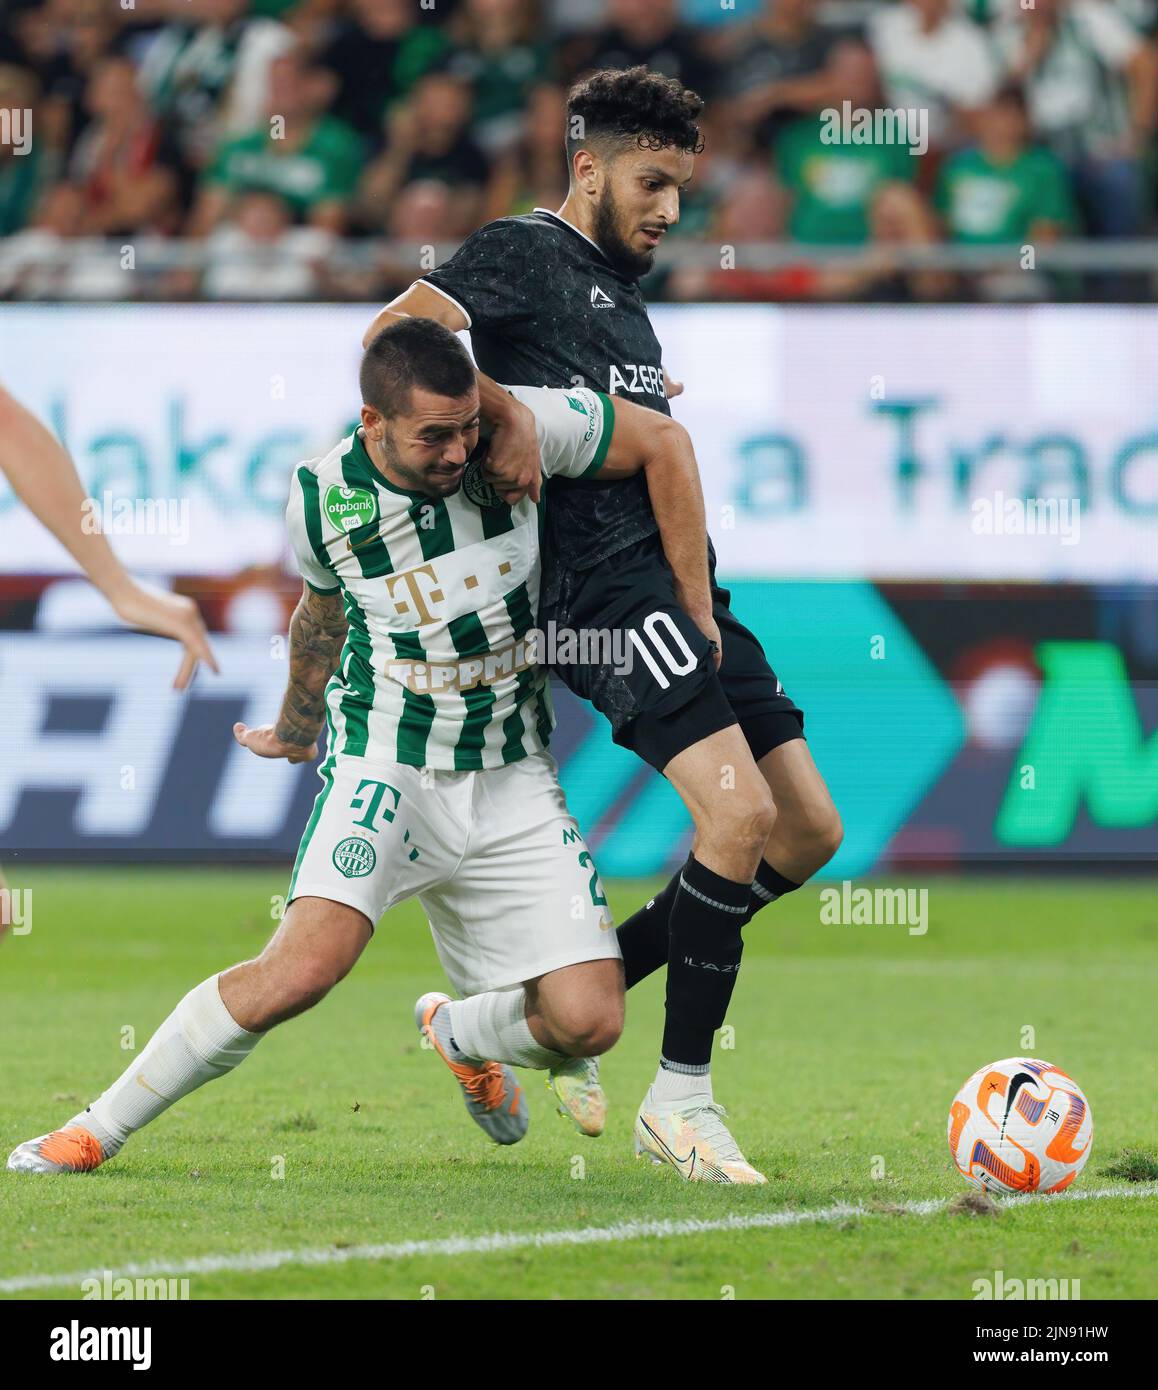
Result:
<point x="355" y="858"/>
<point x="600" y="300"/>
<point x="635" y="379"/>
<point x="350" y="507"/>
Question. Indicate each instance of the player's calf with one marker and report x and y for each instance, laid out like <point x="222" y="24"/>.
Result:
<point x="578" y="1010"/>
<point x="211" y="1031"/>
<point x="808" y="830"/>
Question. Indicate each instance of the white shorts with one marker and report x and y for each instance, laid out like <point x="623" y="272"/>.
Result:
<point x="494" y="856"/>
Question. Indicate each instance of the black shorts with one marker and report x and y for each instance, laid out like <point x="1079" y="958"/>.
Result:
<point x="672" y="696"/>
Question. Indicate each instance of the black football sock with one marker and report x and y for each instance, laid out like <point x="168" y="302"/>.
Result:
<point x="703" y="961"/>
<point x="643" y="938"/>
<point x="767" y="887"/>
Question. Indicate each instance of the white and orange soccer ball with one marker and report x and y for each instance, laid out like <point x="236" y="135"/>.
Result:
<point x="1020" y="1125"/>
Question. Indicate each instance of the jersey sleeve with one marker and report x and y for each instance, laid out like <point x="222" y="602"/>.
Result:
<point x="491" y="275"/>
<point x="304" y="521"/>
<point x="574" y="427"/>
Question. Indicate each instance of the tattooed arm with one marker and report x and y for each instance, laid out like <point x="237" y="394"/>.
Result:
<point x="317" y="634"/>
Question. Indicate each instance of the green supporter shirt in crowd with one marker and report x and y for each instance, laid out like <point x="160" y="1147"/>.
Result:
<point x="832" y="185"/>
<point x="323" y="168"/>
<point x="21" y="180"/>
<point x="501" y="81"/>
<point x="985" y="202"/>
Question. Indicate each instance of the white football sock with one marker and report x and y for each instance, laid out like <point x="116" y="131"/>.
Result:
<point x="197" y="1042"/>
<point x="493" y="1028"/>
<point x="673" y="1086"/>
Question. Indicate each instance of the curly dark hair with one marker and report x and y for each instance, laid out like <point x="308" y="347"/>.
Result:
<point x="633" y="106"/>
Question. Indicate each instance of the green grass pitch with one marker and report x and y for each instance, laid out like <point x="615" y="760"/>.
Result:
<point x="849" y="1043"/>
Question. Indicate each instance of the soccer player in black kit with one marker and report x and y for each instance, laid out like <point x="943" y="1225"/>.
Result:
<point x="552" y="299"/>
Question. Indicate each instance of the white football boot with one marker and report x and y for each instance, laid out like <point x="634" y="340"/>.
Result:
<point x="69" y="1150"/>
<point x="691" y="1135"/>
<point x="493" y="1096"/>
<point x="576" y="1087"/>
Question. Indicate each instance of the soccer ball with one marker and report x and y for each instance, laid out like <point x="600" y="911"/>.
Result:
<point x="1020" y="1126"/>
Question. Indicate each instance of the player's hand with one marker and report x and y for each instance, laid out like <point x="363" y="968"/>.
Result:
<point x="266" y="744"/>
<point x="711" y="630"/>
<point x="168" y="615"/>
<point x="512" y="465"/>
<point x="671" y="387"/>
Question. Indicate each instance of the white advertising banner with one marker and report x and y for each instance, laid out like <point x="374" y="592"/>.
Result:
<point x="957" y="443"/>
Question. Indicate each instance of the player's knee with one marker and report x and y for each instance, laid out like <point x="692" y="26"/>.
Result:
<point x="831" y="835"/>
<point x="742" y="820"/>
<point x="817" y="838"/>
<point x="589" y="1032"/>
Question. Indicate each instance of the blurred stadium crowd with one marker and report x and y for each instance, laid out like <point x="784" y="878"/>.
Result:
<point x="297" y="149"/>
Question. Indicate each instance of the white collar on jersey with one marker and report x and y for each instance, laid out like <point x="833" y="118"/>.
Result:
<point x="573" y="227"/>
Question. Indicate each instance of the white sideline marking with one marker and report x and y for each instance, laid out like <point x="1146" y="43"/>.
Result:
<point x="501" y="1241"/>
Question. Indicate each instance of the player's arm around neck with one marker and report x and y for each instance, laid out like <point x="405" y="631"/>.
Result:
<point x="420" y="301"/>
<point x="513" y="465"/>
<point x="316" y="636"/>
<point x="662" y="448"/>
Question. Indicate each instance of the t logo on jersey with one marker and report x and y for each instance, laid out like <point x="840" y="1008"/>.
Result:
<point x="415" y="601"/>
<point x="599" y="300"/>
<point x="633" y="379"/>
<point x="350" y="507"/>
<point x="372" y="805"/>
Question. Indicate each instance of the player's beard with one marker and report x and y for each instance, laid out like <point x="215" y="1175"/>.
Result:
<point x="606" y="226"/>
<point x="415" y="479"/>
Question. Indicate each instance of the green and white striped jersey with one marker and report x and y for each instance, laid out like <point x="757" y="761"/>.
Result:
<point x="441" y="595"/>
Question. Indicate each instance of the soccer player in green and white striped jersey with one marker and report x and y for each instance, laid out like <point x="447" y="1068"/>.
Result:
<point x="411" y="639"/>
<point x="440" y="590"/>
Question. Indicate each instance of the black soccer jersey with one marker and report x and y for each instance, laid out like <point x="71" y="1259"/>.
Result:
<point x="546" y="308"/>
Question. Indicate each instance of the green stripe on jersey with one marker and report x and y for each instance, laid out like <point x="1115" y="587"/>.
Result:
<point x="313" y="516"/>
<point x="466" y="632"/>
<point x="431" y="521"/>
<point x="417" y="710"/>
<point x="518" y="603"/>
<point x="496" y="521"/>
<point x="605" y="438"/>
<point x="365" y="543"/>
<point x="359" y="679"/>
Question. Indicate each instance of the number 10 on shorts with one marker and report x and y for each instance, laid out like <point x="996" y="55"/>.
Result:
<point x="678" y="667"/>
